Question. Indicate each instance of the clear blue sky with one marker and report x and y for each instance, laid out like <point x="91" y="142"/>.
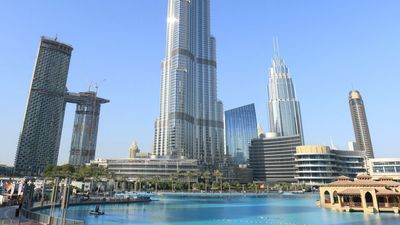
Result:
<point x="329" y="46"/>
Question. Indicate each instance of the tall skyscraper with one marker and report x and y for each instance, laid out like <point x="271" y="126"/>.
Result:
<point x="191" y="117"/>
<point x="360" y="123"/>
<point x="240" y="129"/>
<point x="283" y="106"/>
<point x="40" y="136"/>
<point x="86" y="124"/>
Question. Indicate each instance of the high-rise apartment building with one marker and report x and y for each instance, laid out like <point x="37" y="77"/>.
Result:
<point x="283" y="105"/>
<point x="191" y="117"/>
<point x="39" y="139"/>
<point x="84" y="136"/>
<point x="360" y="123"/>
<point x="240" y="129"/>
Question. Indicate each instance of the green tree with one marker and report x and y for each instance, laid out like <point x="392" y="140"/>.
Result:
<point x="156" y="181"/>
<point x="219" y="178"/>
<point x="206" y="176"/>
<point x="189" y="176"/>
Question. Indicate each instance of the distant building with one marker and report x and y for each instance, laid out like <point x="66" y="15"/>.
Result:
<point x="283" y="105"/>
<point x="384" y="167"/>
<point x="149" y="168"/>
<point x="240" y="129"/>
<point x="317" y="165"/>
<point x="352" y="146"/>
<point x="86" y="124"/>
<point x="40" y="136"/>
<point x="272" y="158"/>
<point x="133" y="150"/>
<point x="6" y="171"/>
<point x="360" y="123"/>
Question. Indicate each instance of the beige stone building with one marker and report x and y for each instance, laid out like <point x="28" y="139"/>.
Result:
<point x="363" y="195"/>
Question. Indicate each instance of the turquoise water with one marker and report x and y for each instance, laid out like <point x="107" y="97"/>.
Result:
<point x="223" y="211"/>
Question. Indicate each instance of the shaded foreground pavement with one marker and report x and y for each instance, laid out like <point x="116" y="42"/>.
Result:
<point x="7" y="216"/>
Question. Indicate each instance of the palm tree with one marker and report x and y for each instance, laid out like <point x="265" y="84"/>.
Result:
<point x="172" y="178"/>
<point x="156" y="180"/>
<point x="189" y="175"/>
<point x="206" y="176"/>
<point x="141" y="177"/>
<point x="218" y="178"/>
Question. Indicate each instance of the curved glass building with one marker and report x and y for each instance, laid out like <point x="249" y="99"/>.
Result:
<point x="240" y="129"/>
<point x="283" y="106"/>
<point x="191" y="117"/>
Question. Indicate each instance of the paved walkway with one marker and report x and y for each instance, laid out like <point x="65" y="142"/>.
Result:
<point x="7" y="212"/>
<point x="7" y="216"/>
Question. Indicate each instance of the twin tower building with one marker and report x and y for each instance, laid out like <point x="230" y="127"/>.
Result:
<point x="40" y="136"/>
<point x="191" y="122"/>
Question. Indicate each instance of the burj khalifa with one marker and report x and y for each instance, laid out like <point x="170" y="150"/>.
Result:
<point x="191" y="116"/>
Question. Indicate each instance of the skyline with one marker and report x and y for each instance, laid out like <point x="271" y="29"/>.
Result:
<point x="119" y="128"/>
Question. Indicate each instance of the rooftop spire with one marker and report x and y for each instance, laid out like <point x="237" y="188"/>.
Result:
<point x="275" y="44"/>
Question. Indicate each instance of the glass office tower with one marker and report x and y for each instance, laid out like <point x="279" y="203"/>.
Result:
<point x="283" y="106"/>
<point x="40" y="136"/>
<point x="240" y="129"/>
<point x="191" y="117"/>
<point x="360" y="123"/>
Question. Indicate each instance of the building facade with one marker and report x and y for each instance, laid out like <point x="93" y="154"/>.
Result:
<point x="240" y="129"/>
<point x="283" y="105"/>
<point x="360" y="123"/>
<point x="149" y="168"/>
<point x="317" y="165"/>
<point x="384" y="167"/>
<point x="86" y="124"/>
<point x="40" y="136"/>
<point x="272" y="158"/>
<point x="191" y="117"/>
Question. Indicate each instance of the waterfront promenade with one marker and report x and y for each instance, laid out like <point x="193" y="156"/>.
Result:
<point x="7" y="216"/>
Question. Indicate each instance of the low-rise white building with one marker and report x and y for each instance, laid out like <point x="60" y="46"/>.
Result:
<point x="384" y="167"/>
<point x="317" y="165"/>
<point x="148" y="168"/>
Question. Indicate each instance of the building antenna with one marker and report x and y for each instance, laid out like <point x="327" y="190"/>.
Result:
<point x="56" y="37"/>
<point x="275" y="44"/>
<point x="90" y="85"/>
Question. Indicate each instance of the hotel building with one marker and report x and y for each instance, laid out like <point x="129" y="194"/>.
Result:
<point x="317" y="165"/>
